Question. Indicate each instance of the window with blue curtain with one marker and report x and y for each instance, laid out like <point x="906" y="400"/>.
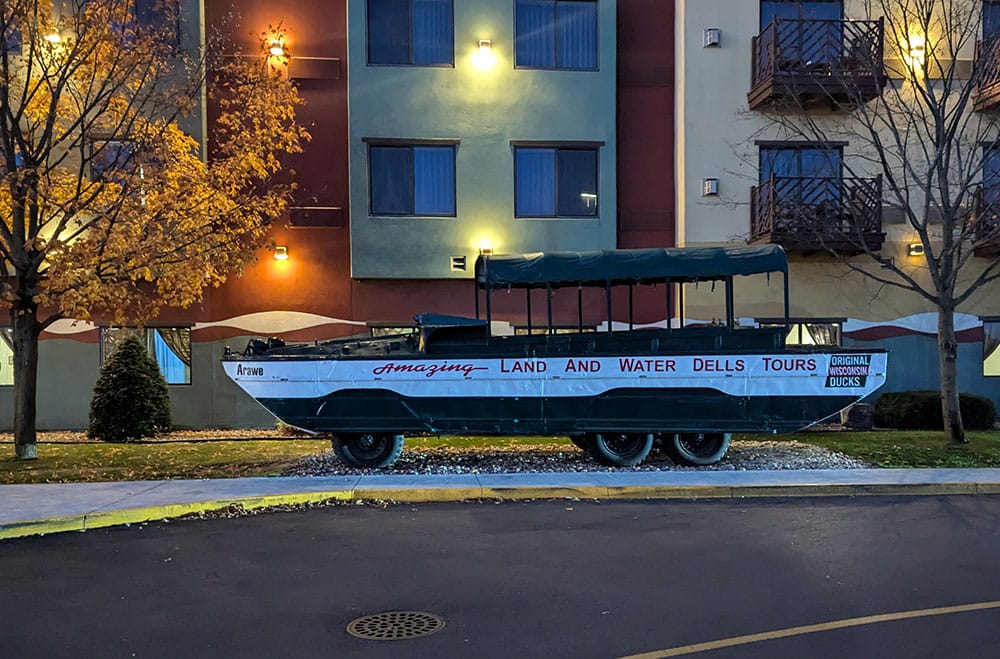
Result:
<point x="829" y="10"/>
<point x="12" y="38"/>
<point x="555" y="182"/>
<point x="556" y="34"/>
<point x="414" y="180"/>
<point x="991" y="18"/>
<point x="170" y="347"/>
<point x="419" y="32"/>
<point x="802" y="166"/>
<point x="991" y="175"/>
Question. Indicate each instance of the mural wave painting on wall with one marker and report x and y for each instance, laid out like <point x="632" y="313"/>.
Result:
<point x="299" y="326"/>
<point x="290" y="324"/>
<point x="968" y="328"/>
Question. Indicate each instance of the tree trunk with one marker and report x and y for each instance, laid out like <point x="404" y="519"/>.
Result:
<point x="948" y="366"/>
<point x="24" y="320"/>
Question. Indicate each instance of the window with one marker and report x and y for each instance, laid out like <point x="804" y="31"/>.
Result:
<point x="110" y="158"/>
<point x="991" y="18"/>
<point x="813" y="43"/>
<point x="822" y="10"/>
<point x="169" y="346"/>
<point x="12" y="39"/>
<point x="419" y="32"/>
<point x="555" y="181"/>
<point x="555" y="34"/>
<point x="810" y="174"/>
<point x="412" y="180"/>
<point x="809" y="332"/>
<point x="991" y="341"/>
<point x="6" y="356"/>
<point x="160" y="15"/>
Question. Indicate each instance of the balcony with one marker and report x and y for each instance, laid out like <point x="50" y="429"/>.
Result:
<point x="798" y="64"/>
<point x="843" y="215"/>
<point x="987" y="75"/>
<point x="986" y="223"/>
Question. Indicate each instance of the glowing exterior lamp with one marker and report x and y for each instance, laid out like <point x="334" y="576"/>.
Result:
<point x="485" y="47"/>
<point x="53" y="36"/>
<point x="915" y="249"/>
<point x="916" y="51"/>
<point x="280" y="253"/>
<point x="485" y="247"/>
<point x="276" y="48"/>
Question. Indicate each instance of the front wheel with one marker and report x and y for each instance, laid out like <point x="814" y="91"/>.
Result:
<point x="697" y="449"/>
<point x="619" y="449"/>
<point x="367" y="450"/>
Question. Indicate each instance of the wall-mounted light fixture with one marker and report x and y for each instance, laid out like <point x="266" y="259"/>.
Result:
<point x="711" y="37"/>
<point x="485" y="247"/>
<point x="485" y="47"/>
<point x="276" y="48"/>
<point x="915" y="249"/>
<point x="916" y="51"/>
<point x="280" y="253"/>
<point x="53" y="36"/>
<point x="709" y="187"/>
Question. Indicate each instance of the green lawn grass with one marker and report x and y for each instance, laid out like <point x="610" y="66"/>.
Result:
<point x="907" y="448"/>
<point x="65" y="463"/>
<point x="76" y="462"/>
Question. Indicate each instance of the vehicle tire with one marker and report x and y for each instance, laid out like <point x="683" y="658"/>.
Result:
<point x="697" y="449"/>
<point x="619" y="449"/>
<point x="582" y="442"/>
<point x="368" y="450"/>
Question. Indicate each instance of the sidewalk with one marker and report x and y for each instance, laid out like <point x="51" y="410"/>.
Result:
<point x="51" y="508"/>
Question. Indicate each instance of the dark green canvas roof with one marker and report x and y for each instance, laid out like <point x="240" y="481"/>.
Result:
<point x="627" y="266"/>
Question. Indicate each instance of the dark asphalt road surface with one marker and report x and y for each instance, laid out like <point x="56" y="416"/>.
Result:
<point x="531" y="579"/>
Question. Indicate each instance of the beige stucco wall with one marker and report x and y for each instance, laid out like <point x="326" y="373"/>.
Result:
<point x="485" y="107"/>
<point x="716" y="137"/>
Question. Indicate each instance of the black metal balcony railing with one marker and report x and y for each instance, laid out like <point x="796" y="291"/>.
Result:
<point x="818" y="214"/>
<point x="987" y="75"/>
<point x="802" y="63"/>
<point x="985" y="219"/>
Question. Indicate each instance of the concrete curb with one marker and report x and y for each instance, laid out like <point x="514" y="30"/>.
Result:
<point x="496" y="487"/>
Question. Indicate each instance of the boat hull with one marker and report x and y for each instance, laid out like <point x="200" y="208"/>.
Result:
<point x="757" y="393"/>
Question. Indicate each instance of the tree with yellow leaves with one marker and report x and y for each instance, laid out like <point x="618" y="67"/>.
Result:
<point x="107" y="206"/>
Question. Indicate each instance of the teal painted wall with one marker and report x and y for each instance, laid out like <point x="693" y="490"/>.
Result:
<point x="485" y="106"/>
<point x="913" y="366"/>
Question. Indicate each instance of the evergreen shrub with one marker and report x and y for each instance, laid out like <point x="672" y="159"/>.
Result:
<point x="130" y="400"/>
<point x="921" y="410"/>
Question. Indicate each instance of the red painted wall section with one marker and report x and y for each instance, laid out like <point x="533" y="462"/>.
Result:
<point x="646" y="181"/>
<point x="316" y="276"/>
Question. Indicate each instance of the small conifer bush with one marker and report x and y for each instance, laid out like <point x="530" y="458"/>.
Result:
<point x="130" y="398"/>
<point x="921" y="410"/>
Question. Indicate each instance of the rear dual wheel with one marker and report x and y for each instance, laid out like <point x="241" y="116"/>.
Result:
<point x="368" y="450"/>
<point x="697" y="449"/>
<point x="619" y="449"/>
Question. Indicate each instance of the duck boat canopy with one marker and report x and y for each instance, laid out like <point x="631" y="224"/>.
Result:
<point x="616" y="390"/>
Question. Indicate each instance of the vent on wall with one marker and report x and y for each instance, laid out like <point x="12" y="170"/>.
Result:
<point x="458" y="264"/>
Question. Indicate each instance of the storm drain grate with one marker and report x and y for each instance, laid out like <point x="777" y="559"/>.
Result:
<point x="395" y="625"/>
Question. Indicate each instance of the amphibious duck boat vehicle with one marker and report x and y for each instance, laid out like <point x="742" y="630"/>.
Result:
<point x="616" y="390"/>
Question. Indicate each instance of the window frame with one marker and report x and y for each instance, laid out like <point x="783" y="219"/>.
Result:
<point x="104" y="343"/>
<point x="452" y="144"/>
<point x="989" y="320"/>
<point x="799" y="324"/>
<point x="555" y="43"/>
<point x="409" y="63"/>
<point x="557" y="146"/>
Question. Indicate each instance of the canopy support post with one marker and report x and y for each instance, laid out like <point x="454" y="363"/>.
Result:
<point x="630" y="307"/>
<point x="730" y="310"/>
<point x="607" y="294"/>
<point x="528" y="293"/>
<point x="548" y="302"/>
